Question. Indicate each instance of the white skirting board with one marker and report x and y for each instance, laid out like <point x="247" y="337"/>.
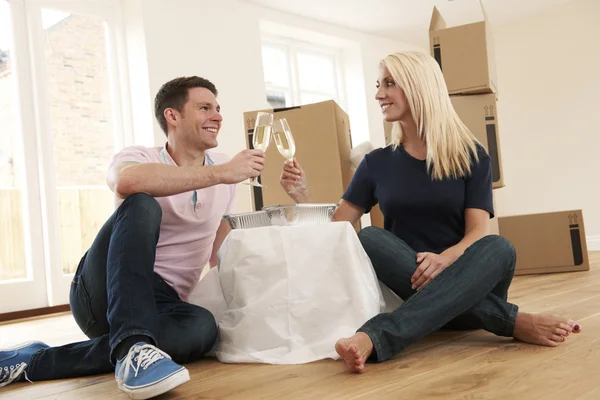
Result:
<point x="593" y="243"/>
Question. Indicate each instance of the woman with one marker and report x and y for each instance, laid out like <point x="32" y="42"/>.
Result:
<point x="434" y="187"/>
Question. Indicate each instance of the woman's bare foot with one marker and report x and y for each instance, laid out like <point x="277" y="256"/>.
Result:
<point x="355" y="351"/>
<point x="545" y="330"/>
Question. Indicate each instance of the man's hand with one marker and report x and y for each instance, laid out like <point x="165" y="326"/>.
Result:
<point x="244" y="165"/>
<point x="431" y="265"/>
<point x="293" y="176"/>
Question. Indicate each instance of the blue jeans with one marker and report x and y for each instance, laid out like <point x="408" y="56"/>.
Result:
<point x="469" y="294"/>
<point x="116" y="294"/>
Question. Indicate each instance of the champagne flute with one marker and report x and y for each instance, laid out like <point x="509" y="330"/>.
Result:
<point x="282" y="134"/>
<point x="261" y="137"/>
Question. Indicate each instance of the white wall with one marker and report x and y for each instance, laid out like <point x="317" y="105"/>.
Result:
<point x="220" y="40"/>
<point x="549" y="97"/>
<point x="548" y="88"/>
<point x="137" y="68"/>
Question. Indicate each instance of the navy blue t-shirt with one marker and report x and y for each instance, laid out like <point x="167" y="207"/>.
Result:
<point x="429" y="215"/>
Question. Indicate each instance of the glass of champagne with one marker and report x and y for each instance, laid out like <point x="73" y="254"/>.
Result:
<point x="286" y="145"/>
<point x="261" y="137"/>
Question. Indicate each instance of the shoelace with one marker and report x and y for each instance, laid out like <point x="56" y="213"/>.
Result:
<point x="139" y="357"/>
<point x="8" y="375"/>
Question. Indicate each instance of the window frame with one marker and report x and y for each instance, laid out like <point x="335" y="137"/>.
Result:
<point x="46" y="285"/>
<point x="292" y="47"/>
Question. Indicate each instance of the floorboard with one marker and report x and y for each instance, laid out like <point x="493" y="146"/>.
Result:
<point x="446" y="365"/>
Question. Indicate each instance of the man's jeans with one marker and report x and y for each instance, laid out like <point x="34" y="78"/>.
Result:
<point x="469" y="294"/>
<point x="116" y="294"/>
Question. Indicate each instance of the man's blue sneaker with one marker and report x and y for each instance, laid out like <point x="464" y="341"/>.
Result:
<point x="14" y="361"/>
<point x="147" y="371"/>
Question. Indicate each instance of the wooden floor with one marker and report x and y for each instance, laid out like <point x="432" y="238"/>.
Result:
<point x="448" y="365"/>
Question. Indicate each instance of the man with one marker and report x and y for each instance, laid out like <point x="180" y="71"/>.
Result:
<point x="130" y="290"/>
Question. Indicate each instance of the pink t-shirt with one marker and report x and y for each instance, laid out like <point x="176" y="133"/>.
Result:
<point x="189" y="221"/>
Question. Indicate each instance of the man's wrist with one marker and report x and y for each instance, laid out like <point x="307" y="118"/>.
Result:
<point x="217" y="174"/>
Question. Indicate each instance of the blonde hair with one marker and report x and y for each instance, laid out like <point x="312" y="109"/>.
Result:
<point x="450" y="144"/>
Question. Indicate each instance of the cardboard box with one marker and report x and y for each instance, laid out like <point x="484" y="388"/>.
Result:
<point x="548" y="242"/>
<point x="322" y="136"/>
<point x="479" y="114"/>
<point x="376" y="214"/>
<point x="494" y="227"/>
<point x="377" y="217"/>
<point x="465" y="54"/>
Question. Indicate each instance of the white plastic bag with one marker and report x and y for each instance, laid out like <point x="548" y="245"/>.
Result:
<point x="292" y="292"/>
<point x="359" y="152"/>
<point x="208" y="294"/>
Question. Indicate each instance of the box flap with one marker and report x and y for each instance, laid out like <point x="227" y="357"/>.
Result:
<point x="437" y="21"/>
<point x="485" y="18"/>
<point x="491" y="52"/>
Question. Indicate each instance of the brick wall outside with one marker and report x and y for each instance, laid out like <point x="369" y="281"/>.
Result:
<point x="79" y="100"/>
<point x="8" y="173"/>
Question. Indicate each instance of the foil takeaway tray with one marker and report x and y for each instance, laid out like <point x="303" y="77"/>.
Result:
<point x="300" y="214"/>
<point x="248" y="220"/>
<point x="282" y="215"/>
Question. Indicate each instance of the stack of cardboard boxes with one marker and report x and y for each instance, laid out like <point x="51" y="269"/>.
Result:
<point x="545" y="242"/>
<point x="466" y="56"/>
<point x="548" y="242"/>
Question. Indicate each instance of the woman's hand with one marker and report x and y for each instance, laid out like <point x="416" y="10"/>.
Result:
<point x="293" y="176"/>
<point x="431" y="265"/>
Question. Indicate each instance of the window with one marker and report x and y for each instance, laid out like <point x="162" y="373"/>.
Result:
<point x="57" y="137"/>
<point x="81" y="127"/>
<point x="297" y="73"/>
<point x="12" y="246"/>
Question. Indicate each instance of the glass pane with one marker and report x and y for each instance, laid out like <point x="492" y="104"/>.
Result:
<point x="316" y="72"/>
<point x="278" y="99"/>
<point x="82" y="130"/>
<point x="309" y="98"/>
<point x="275" y="66"/>
<point x="12" y="244"/>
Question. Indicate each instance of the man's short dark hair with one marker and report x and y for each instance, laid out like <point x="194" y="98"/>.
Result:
<point x="175" y="93"/>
